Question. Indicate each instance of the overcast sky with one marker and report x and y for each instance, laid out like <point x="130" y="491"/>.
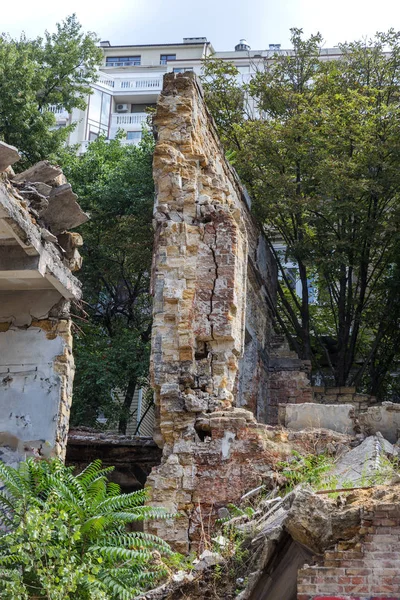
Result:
<point x="223" y="22"/>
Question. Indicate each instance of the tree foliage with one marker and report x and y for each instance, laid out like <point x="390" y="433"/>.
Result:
<point x="115" y="185"/>
<point x="320" y="156"/>
<point x="56" y="69"/>
<point x="67" y="537"/>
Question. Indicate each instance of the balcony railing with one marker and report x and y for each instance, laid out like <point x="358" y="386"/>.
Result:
<point x="139" y="84"/>
<point x="106" y="82"/>
<point x="124" y="120"/>
<point x="137" y="63"/>
<point x="123" y="63"/>
<point x="59" y="112"/>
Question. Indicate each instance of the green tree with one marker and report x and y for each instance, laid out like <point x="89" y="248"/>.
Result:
<point x="67" y="538"/>
<point x="34" y="74"/>
<point x="321" y="160"/>
<point x="115" y="185"/>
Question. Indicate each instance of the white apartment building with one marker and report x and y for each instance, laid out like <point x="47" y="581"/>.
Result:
<point x="130" y="80"/>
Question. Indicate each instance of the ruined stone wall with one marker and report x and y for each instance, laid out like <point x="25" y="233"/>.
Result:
<point x="212" y="357"/>
<point x="289" y="381"/>
<point x="37" y="256"/>
<point x="364" y="569"/>
<point x="211" y="262"/>
<point x="343" y="395"/>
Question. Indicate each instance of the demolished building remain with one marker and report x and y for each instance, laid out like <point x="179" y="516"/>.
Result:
<point x="37" y="258"/>
<point x="216" y="364"/>
<point x="232" y="400"/>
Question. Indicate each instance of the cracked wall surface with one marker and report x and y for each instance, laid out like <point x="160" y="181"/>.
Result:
<point x="213" y="357"/>
<point x="37" y="257"/>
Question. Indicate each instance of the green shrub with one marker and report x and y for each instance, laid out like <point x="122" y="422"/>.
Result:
<point x="64" y="536"/>
<point x="308" y="468"/>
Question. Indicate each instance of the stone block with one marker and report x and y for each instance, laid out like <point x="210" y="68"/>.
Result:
<point x="63" y="211"/>
<point x="8" y="156"/>
<point x="337" y="417"/>
<point x="43" y="172"/>
<point x="384" y="419"/>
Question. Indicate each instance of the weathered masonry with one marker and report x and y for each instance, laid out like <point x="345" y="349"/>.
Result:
<point x="216" y="364"/>
<point x="37" y="255"/>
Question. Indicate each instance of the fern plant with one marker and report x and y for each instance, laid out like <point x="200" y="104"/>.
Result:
<point x="64" y="536"/>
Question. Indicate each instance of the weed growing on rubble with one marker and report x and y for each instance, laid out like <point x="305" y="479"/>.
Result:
<point x="389" y="467"/>
<point x="66" y="535"/>
<point x="230" y="575"/>
<point x="310" y="468"/>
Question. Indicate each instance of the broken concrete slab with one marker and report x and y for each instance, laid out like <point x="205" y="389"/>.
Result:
<point x="42" y="188"/>
<point x="8" y="156"/>
<point x="43" y="172"/>
<point x="384" y="418"/>
<point x="63" y="211"/>
<point x="365" y="464"/>
<point x="316" y="522"/>
<point x="338" y="417"/>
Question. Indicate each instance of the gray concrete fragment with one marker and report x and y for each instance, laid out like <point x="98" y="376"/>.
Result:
<point x="8" y="156"/>
<point x="42" y="188"/>
<point x="337" y="417"/>
<point x="36" y="200"/>
<point x="208" y="559"/>
<point x="314" y="521"/>
<point x="384" y="418"/>
<point x="365" y="464"/>
<point x="43" y="172"/>
<point x="63" y="211"/>
<point x="47" y="236"/>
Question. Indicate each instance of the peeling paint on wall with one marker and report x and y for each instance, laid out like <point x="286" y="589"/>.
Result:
<point x="36" y="286"/>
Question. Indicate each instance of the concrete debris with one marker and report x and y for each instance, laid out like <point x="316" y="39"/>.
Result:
<point x="63" y="211"/>
<point x="365" y="464"/>
<point x="47" y="236"/>
<point x="36" y="200"/>
<point x="384" y="418"/>
<point x="43" y="172"/>
<point x="69" y="242"/>
<point x="208" y="559"/>
<point x="344" y="418"/>
<point x="252" y="493"/>
<point x="8" y="156"/>
<point x="36" y="287"/>
<point x="42" y="188"/>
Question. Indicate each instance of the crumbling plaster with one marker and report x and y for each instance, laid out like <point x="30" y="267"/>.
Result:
<point x="36" y="288"/>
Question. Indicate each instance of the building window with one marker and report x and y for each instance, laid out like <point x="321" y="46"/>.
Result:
<point x="93" y="135"/>
<point x="181" y="69"/>
<point x="98" y="113"/>
<point x="134" y="135"/>
<point x="123" y="61"/>
<point x="164" y="58"/>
